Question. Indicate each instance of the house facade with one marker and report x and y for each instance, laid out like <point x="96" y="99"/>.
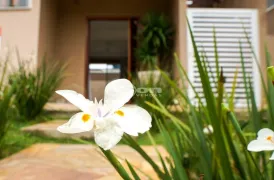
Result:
<point x="60" y="28"/>
<point x="64" y="29"/>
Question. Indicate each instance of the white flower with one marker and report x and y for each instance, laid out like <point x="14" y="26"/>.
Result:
<point x="264" y="142"/>
<point x="108" y="120"/>
<point x="208" y="129"/>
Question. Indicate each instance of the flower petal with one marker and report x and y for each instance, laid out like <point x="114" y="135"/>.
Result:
<point x="77" y="100"/>
<point x="80" y="122"/>
<point x="118" y="93"/>
<point x="272" y="157"/>
<point x="107" y="134"/>
<point x="133" y="119"/>
<point x="264" y="133"/>
<point x="260" y="145"/>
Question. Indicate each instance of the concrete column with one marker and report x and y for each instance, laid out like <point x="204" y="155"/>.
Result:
<point x="179" y="19"/>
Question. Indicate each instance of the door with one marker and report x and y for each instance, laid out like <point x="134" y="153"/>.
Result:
<point x="110" y="53"/>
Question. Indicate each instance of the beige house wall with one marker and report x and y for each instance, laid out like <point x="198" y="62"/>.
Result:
<point x="47" y="29"/>
<point x="72" y="29"/>
<point x="20" y="29"/>
<point x="270" y="17"/>
<point x="270" y="45"/>
<point x="270" y="31"/>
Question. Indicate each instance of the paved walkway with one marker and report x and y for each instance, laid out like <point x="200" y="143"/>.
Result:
<point x="61" y="107"/>
<point x="49" y="129"/>
<point x="70" y="162"/>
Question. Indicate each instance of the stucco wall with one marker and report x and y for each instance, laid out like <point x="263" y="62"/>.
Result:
<point x="20" y="29"/>
<point x="270" y="44"/>
<point x="270" y="22"/>
<point x="71" y="39"/>
<point x="47" y="29"/>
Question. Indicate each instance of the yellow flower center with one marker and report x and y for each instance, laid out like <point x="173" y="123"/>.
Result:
<point x="269" y="138"/>
<point x="119" y="113"/>
<point x="85" y="117"/>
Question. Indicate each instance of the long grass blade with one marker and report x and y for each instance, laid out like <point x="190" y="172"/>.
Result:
<point x="135" y="146"/>
<point x="116" y="164"/>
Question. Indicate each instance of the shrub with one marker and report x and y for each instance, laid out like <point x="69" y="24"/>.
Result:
<point x="6" y="94"/>
<point x="155" y="40"/>
<point x="160" y="88"/>
<point x="219" y="152"/>
<point x="34" y="88"/>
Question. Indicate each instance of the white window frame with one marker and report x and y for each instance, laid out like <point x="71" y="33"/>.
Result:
<point x="28" y="7"/>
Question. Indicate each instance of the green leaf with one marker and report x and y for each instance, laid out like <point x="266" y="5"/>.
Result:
<point x="134" y="174"/>
<point x="233" y="90"/>
<point x="213" y="114"/>
<point x="116" y="164"/>
<point x="243" y="141"/>
<point x="216" y="53"/>
<point x="167" y="175"/>
<point x="247" y="94"/>
<point x="136" y="146"/>
<point x="169" y="144"/>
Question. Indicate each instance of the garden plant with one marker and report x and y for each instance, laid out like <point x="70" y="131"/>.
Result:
<point x="34" y="87"/>
<point x="223" y="151"/>
<point x="6" y="96"/>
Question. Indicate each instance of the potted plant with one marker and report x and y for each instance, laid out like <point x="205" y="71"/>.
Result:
<point x="155" y="43"/>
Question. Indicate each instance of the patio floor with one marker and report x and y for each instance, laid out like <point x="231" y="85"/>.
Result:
<point x="49" y="129"/>
<point x="70" y="162"/>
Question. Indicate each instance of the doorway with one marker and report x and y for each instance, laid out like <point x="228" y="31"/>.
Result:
<point x="110" y="53"/>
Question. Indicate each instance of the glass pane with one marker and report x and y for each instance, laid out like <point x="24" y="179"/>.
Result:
<point x="17" y="3"/>
<point x="5" y="3"/>
<point x="108" y="51"/>
<point x="99" y="75"/>
<point x="108" y="39"/>
<point x="270" y="3"/>
<point x="22" y="3"/>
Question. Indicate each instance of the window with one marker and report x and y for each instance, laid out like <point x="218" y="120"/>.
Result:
<point x="15" y="4"/>
<point x="270" y="3"/>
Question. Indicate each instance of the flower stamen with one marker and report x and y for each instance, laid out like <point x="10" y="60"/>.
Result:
<point x="120" y="113"/>
<point x="269" y="138"/>
<point x="85" y="118"/>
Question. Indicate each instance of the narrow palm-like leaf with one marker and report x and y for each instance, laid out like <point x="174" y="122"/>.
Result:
<point x="240" y="135"/>
<point x="216" y="53"/>
<point x="211" y="105"/>
<point x="133" y="172"/>
<point x="255" y="58"/>
<point x="255" y="113"/>
<point x="3" y="72"/>
<point x="135" y="146"/>
<point x="116" y="164"/>
<point x="169" y="144"/>
<point x="233" y="90"/>
<point x="234" y="152"/>
<point x="247" y="93"/>
<point x="167" y="175"/>
<point x="178" y="123"/>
